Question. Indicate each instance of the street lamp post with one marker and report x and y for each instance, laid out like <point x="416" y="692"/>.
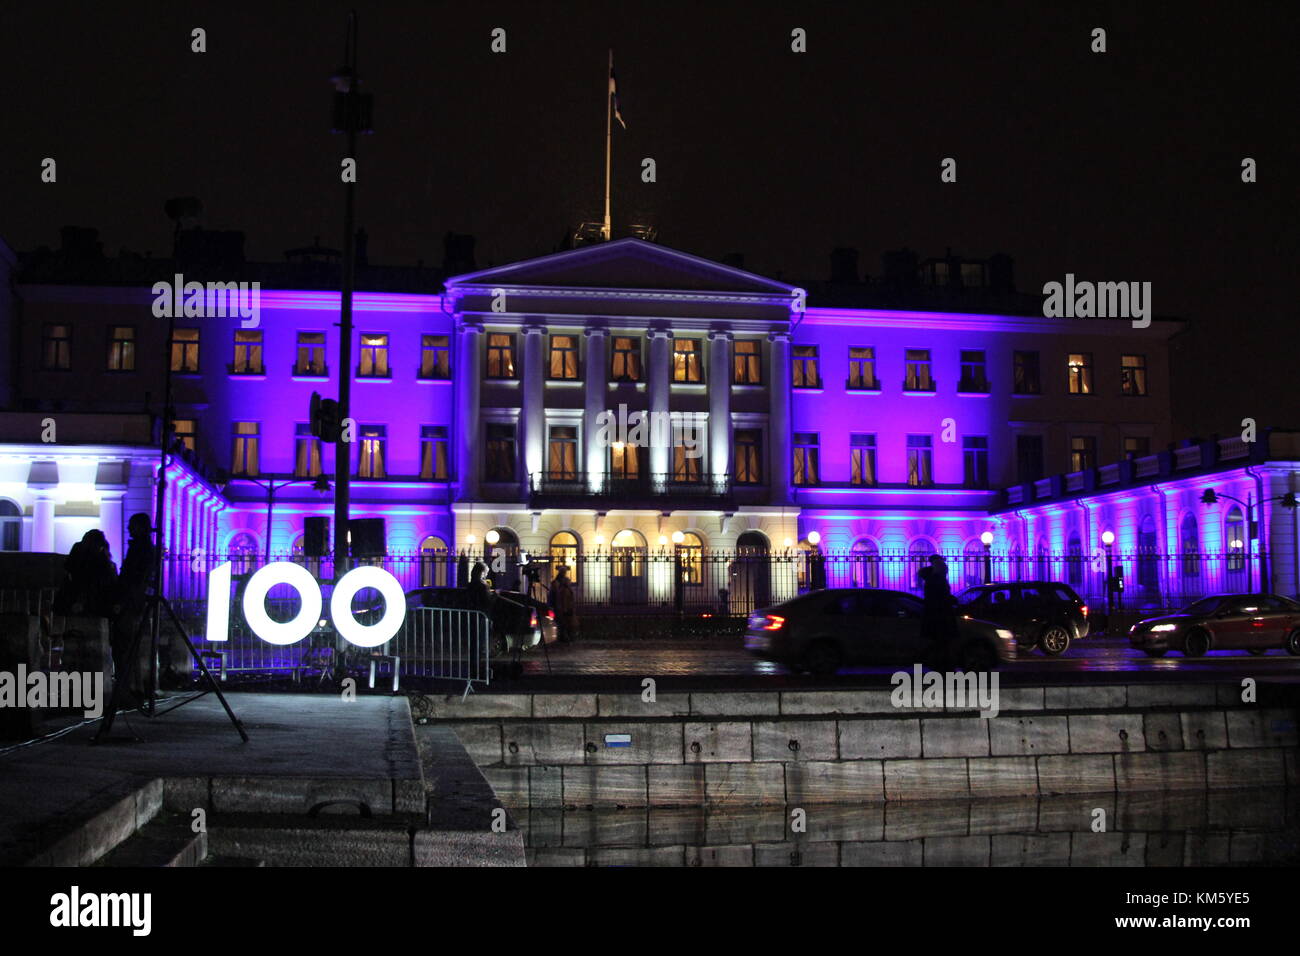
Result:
<point x="351" y="116"/>
<point x="320" y="483"/>
<point x="1108" y="539"/>
<point x="986" y="539"/>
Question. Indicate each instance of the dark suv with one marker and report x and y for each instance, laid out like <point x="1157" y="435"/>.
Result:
<point x="1046" y="614"/>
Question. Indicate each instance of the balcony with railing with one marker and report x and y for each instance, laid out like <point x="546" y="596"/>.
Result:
<point x="552" y="487"/>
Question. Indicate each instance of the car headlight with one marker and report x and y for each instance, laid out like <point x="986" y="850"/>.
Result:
<point x="1005" y="634"/>
<point x="1165" y="627"/>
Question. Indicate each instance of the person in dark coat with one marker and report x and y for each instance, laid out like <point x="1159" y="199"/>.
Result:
<point x="480" y="595"/>
<point x="938" y="611"/>
<point x="134" y="584"/>
<point x="90" y="583"/>
<point x="564" y="605"/>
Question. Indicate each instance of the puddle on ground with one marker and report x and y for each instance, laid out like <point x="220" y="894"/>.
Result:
<point x="1247" y="827"/>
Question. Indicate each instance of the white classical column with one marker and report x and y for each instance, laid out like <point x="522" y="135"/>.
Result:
<point x="533" y="406"/>
<point x="596" y="401"/>
<point x="110" y="522"/>
<point x="43" y="524"/>
<point x="658" y="391"/>
<point x="779" y="424"/>
<point x="469" y="365"/>
<point x="719" y="436"/>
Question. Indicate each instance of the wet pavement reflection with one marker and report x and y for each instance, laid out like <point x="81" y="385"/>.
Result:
<point x="1246" y="827"/>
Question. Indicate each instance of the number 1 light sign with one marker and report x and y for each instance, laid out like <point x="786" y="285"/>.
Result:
<point x="284" y="633"/>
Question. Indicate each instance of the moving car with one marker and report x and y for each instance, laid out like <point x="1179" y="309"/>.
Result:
<point x="1246" y="622"/>
<point x="1043" y="614"/>
<point x="517" y="621"/>
<point x="822" y="631"/>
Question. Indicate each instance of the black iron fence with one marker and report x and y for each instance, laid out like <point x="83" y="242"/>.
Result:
<point x="733" y="582"/>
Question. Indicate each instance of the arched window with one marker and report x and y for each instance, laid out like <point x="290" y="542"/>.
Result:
<point x="1074" y="560"/>
<point x="433" y="562"/>
<point x="1148" y="566"/>
<point x="1189" y="540"/>
<point x="627" y="556"/>
<point x="918" y="555"/>
<point x="566" y="548"/>
<point x="690" y="555"/>
<point x="1234" y="540"/>
<point x="1043" y="568"/>
<point x="243" y="553"/>
<point x="11" y="525"/>
<point x="864" y="564"/>
<point x="973" y="564"/>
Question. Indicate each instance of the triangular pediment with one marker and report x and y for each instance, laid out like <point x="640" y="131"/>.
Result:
<point x="624" y="264"/>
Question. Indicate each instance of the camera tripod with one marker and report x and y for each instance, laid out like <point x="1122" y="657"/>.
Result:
<point x="155" y="604"/>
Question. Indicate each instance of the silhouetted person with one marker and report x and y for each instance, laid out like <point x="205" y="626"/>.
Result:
<point x="90" y="583"/>
<point x="480" y="596"/>
<point x="938" y="611"/>
<point x="562" y="601"/>
<point x="134" y="584"/>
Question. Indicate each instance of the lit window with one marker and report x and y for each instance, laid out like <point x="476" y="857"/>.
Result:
<point x="1083" y="453"/>
<point x="565" y="549"/>
<point x="686" y="360"/>
<point x="690" y="558"/>
<point x="920" y="460"/>
<point x="374" y="356"/>
<point x="862" y="369"/>
<point x="625" y="363"/>
<point x="185" y="351"/>
<point x="248" y="352"/>
<point x="564" y="357"/>
<point x="1136" y="446"/>
<point x="862" y="459"/>
<point x="685" y="467"/>
<point x="371" y="461"/>
<point x="1080" y="369"/>
<point x="311" y="354"/>
<point x="435" y="357"/>
<point x="306" y="452"/>
<point x="184" y="430"/>
<point x="500" y="355"/>
<point x="562" y="453"/>
<point x="806" y="469"/>
<point x="121" y="349"/>
<point x="746" y="361"/>
<point x="803" y="367"/>
<point x="243" y="459"/>
<point x="917" y="365"/>
<point x="434" y="461"/>
<point x="1133" y="374"/>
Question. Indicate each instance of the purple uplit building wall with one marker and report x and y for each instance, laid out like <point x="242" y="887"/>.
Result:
<point x="877" y="436"/>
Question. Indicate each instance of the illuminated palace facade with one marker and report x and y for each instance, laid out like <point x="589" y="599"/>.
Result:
<point x="885" y="434"/>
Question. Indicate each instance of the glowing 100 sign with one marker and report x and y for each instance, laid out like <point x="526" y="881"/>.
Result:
<point x="283" y="633"/>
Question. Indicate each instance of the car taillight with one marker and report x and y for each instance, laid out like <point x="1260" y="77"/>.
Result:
<point x="532" y="621"/>
<point x="774" y="622"/>
<point x="1084" y="609"/>
<point x="550" y="614"/>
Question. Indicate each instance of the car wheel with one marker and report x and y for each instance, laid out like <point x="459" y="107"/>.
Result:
<point x="1196" y="643"/>
<point x="1258" y="651"/>
<point x="499" y="646"/>
<point x="1156" y="651"/>
<point x="1055" y="640"/>
<point x="978" y="656"/>
<point x="1293" y="642"/>
<point x="822" y="658"/>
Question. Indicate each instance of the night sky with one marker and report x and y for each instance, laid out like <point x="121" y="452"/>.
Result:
<point x="1115" y="166"/>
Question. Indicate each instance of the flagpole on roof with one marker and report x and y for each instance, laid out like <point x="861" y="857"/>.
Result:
<point x="609" y="109"/>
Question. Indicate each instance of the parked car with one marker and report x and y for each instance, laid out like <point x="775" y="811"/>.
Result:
<point x="517" y="622"/>
<point x="1246" y="622"/>
<point x="1044" y="614"/>
<point x="821" y="631"/>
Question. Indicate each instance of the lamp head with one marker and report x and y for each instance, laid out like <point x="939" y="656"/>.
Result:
<point x="1209" y="497"/>
<point x="986" y="538"/>
<point x="1108" y="538"/>
<point x="814" y="538"/>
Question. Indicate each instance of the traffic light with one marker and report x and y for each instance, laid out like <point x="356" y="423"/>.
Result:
<point x="325" y="423"/>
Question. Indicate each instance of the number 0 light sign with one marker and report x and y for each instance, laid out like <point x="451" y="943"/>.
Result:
<point x="298" y="578"/>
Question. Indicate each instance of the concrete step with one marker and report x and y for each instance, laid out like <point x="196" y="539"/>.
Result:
<point x="231" y="861"/>
<point x="164" y="842"/>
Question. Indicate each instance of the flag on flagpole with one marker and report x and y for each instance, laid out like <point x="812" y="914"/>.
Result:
<point x="613" y="93"/>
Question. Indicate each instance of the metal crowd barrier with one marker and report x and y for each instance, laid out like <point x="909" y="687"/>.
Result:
<point x="443" y="643"/>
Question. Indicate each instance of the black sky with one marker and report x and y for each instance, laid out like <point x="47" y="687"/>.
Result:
<point x="1119" y="166"/>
